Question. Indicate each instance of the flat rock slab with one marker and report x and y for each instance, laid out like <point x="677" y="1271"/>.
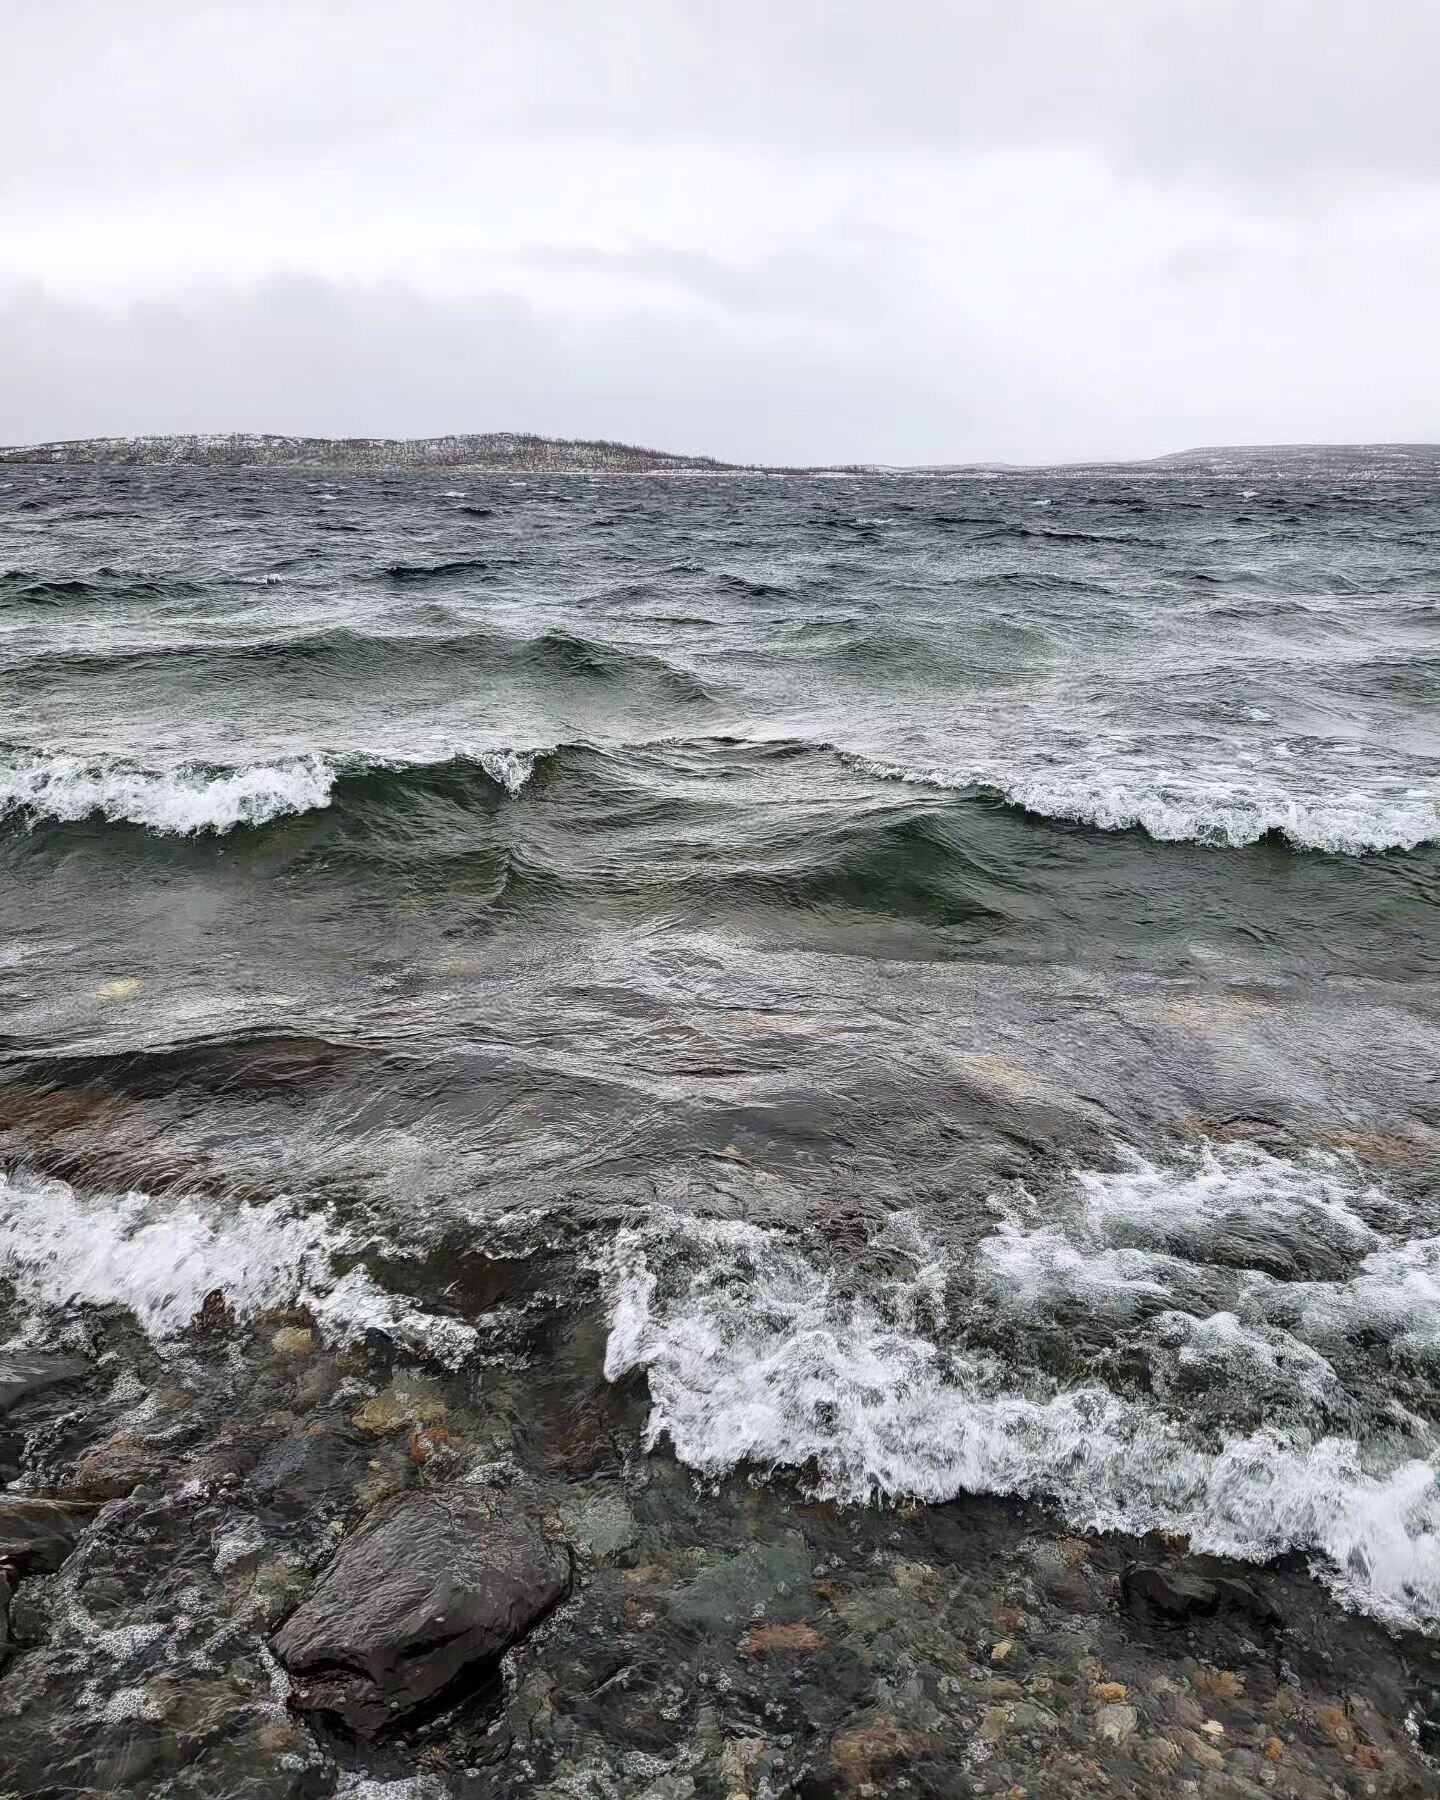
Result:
<point x="22" y="1375"/>
<point x="433" y="1585"/>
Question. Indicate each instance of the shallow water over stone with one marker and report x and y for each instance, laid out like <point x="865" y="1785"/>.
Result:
<point x="844" y="1073"/>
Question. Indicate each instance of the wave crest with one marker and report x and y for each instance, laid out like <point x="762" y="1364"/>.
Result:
<point x="190" y="799"/>
<point x="1174" y="808"/>
<point x="179" y="801"/>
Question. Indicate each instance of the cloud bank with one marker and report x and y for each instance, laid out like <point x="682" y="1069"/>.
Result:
<point x="807" y="232"/>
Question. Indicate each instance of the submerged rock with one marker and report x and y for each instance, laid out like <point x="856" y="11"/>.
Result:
<point x="433" y="1585"/>
<point x="1157" y="1594"/>
<point x="36" y="1535"/>
<point x="769" y="1582"/>
<point x="23" y="1375"/>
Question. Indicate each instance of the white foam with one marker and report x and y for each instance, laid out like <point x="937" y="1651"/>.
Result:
<point x="1210" y="1228"/>
<point x="759" y="1353"/>
<point x="162" y="1258"/>
<point x="511" y="768"/>
<point x="1231" y="1188"/>
<point x="1229" y="808"/>
<point x="181" y="800"/>
<point x="1395" y="1293"/>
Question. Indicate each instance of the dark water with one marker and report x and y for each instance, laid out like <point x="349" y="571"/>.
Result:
<point x="944" y="977"/>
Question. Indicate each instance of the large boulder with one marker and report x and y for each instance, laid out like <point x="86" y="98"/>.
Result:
<point x="433" y="1586"/>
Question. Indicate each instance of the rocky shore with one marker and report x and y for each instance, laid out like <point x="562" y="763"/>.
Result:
<point x="261" y="1564"/>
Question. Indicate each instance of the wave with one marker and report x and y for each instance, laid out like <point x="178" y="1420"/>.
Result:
<point x="761" y="1352"/>
<point x="1172" y="807"/>
<point x="439" y="571"/>
<point x="26" y="587"/>
<point x="343" y="654"/>
<point x="999" y="528"/>
<point x="187" y="799"/>
<point x="161" y="1259"/>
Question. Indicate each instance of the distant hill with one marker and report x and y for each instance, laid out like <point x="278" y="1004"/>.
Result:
<point x="512" y="452"/>
<point x="495" y="451"/>
<point x="1304" y="462"/>
<point x="1304" y="459"/>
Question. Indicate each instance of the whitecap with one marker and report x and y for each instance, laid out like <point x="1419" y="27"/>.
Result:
<point x="510" y="768"/>
<point x="1224" y="809"/>
<point x="161" y="1257"/>
<point x="181" y="800"/>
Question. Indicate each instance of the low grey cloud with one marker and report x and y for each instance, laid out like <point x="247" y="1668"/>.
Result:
<point x="303" y="355"/>
<point x="800" y="281"/>
<point x="932" y="230"/>
<point x="1252" y="88"/>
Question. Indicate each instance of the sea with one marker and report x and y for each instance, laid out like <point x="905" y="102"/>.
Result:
<point x="876" y="990"/>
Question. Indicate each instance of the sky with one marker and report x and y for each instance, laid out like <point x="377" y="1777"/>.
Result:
<point x="797" y="231"/>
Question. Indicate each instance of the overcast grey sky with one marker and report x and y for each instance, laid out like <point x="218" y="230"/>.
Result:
<point x="897" y="230"/>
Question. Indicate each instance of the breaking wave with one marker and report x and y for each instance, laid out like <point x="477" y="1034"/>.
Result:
<point x="759" y="1351"/>
<point x="162" y="1259"/>
<point x="192" y="798"/>
<point x="1226" y="812"/>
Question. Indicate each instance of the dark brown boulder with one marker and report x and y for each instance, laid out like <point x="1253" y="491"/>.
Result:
<point x="433" y="1586"/>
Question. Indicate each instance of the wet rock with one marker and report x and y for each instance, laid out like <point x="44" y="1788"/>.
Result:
<point x="37" y="1535"/>
<point x="1156" y="1594"/>
<point x="22" y="1376"/>
<point x="867" y="1749"/>
<point x="311" y="1467"/>
<point x="767" y="1640"/>
<point x="431" y="1586"/>
<point x="113" y="1470"/>
<point x="601" y="1523"/>
<point x="293" y="1340"/>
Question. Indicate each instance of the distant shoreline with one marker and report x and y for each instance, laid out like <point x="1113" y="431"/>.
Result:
<point x="516" y="453"/>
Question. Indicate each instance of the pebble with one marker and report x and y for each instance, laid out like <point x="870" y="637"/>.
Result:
<point x="1116" y="1722"/>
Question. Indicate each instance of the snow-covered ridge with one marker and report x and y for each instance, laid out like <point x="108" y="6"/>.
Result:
<point x="520" y="452"/>
<point x="498" y="451"/>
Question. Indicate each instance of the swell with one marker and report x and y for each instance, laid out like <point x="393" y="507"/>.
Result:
<point x="342" y="654"/>
<point x="27" y="587"/>
<point x="646" y="820"/>
<point x="447" y="570"/>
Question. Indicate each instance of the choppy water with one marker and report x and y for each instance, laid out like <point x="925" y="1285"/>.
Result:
<point x="957" y="965"/>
